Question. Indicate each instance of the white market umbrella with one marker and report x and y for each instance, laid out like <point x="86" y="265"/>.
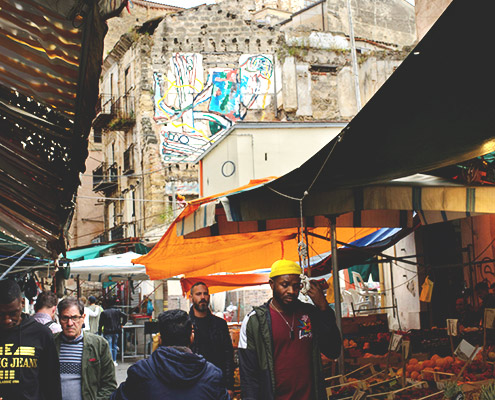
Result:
<point x="109" y="268"/>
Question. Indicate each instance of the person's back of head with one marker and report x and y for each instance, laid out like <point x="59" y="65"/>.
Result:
<point x="9" y="291"/>
<point x="45" y="300"/>
<point x="92" y="300"/>
<point x="175" y="328"/>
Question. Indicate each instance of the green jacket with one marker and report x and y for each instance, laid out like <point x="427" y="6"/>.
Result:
<point x="256" y="351"/>
<point x="98" y="371"/>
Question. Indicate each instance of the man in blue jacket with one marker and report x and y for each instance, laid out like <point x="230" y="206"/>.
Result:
<point x="173" y="371"/>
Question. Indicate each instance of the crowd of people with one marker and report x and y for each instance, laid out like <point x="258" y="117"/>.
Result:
<point x="279" y="348"/>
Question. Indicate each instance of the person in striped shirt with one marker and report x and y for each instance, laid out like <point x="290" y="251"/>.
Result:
<point x="86" y="367"/>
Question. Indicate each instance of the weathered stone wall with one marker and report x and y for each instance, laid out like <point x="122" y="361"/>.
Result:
<point x="388" y="21"/>
<point x="140" y="12"/>
<point x="427" y="12"/>
<point x="179" y="76"/>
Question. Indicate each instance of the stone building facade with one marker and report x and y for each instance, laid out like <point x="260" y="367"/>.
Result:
<point x="175" y="84"/>
<point x="88" y="223"/>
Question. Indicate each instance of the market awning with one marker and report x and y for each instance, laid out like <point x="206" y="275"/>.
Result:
<point x="222" y="283"/>
<point x="362" y="250"/>
<point x="109" y="268"/>
<point x="88" y="253"/>
<point x="50" y="68"/>
<point x="219" y="246"/>
<point x="434" y="199"/>
<point x="435" y="110"/>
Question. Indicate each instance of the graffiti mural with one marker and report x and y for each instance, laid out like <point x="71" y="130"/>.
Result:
<point x="194" y="112"/>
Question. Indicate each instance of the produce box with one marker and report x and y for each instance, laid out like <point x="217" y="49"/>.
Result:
<point x="361" y="373"/>
<point x="417" y="391"/>
<point x="344" y="391"/>
<point x="334" y="380"/>
<point x="365" y="324"/>
<point x="384" y="387"/>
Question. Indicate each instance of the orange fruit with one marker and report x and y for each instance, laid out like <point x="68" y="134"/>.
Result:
<point x="440" y="362"/>
<point x="428" y="364"/>
<point x="413" y="361"/>
<point x="434" y="357"/>
<point x="449" y="360"/>
<point x="415" y="375"/>
<point x="428" y="374"/>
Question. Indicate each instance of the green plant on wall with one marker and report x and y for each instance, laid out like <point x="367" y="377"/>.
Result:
<point x="119" y="123"/>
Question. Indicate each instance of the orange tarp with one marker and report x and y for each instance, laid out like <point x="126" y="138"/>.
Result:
<point x="222" y="283"/>
<point x="175" y="255"/>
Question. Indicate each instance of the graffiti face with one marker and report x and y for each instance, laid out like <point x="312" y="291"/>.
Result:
<point x="195" y="113"/>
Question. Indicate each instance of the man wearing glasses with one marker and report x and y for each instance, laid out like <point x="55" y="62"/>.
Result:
<point x="86" y="366"/>
<point x="29" y="366"/>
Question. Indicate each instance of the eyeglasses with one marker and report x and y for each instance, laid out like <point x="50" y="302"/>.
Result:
<point x="74" y="318"/>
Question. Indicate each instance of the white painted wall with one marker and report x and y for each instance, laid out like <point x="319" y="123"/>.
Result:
<point x="406" y="286"/>
<point x="261" y="152"/>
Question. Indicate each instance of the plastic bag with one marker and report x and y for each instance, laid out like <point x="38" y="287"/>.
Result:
<point x="426" y="290"/>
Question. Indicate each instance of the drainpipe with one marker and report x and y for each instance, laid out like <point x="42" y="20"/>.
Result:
<point x="355" y="72"/>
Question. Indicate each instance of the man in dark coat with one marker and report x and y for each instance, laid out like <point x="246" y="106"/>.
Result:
<point x="29" y="367"/>
<point x="173" y="371"/>
<point x="212" y="337"/>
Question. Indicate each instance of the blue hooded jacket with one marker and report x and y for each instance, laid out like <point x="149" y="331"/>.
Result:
<point x="172" y="373"/>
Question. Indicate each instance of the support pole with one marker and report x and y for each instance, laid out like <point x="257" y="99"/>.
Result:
<point x="355" y="72"/>
<point x="336" y="285"/>
<point x="26" y="252"/>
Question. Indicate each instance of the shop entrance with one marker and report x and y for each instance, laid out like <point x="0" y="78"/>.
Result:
<point x="442" y="246"/>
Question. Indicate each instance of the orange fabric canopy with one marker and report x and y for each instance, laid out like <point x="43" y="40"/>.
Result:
<point x="222" y="283"/>
<point x="240" y="252"/>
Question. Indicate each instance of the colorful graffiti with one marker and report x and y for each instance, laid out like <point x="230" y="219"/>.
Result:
<point x="194" y="113"/>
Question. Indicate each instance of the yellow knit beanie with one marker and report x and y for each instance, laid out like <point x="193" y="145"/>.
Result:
<point x="284" y="267"/>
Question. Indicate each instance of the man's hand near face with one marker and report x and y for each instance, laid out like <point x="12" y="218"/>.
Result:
<point x="316" y="294"/>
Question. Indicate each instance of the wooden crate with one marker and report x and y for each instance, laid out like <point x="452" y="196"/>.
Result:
<point x="334" y="380"/>
<point x="469" y="387"/>
<point x="361" y="373"/>
<point x="352" y="386"/>
<point x="387" y="386"/>
<point x="393" y="395"/>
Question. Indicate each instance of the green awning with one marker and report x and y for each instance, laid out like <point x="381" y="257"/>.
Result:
<point x="88" y="253"/>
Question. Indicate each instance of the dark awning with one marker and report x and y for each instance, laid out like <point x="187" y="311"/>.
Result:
<point x="50" y="68"/>
<point x="435" y="110"/>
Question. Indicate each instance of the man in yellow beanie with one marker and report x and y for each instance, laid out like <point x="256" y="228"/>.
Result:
<point x="280" y="342"/>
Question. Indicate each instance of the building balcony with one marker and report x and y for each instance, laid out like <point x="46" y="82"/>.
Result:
<point x="105" y="178"/>
<point x="114" y="113"/>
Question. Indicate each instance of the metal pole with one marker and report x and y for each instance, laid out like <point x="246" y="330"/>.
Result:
<point x="174" y="199"/>
<point x="26" y="252"/>
<point x="336" y="285"/>
<point x="355" y="72"/>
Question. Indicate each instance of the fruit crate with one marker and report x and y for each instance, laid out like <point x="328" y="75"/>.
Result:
<point x="344" y="391"/>
<point x="411" y="393"/>
<point x="385" y="387"/>
<point x="361" y="373"/>
<point x="334" y="380"/>
<point x="471" y="387"/>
